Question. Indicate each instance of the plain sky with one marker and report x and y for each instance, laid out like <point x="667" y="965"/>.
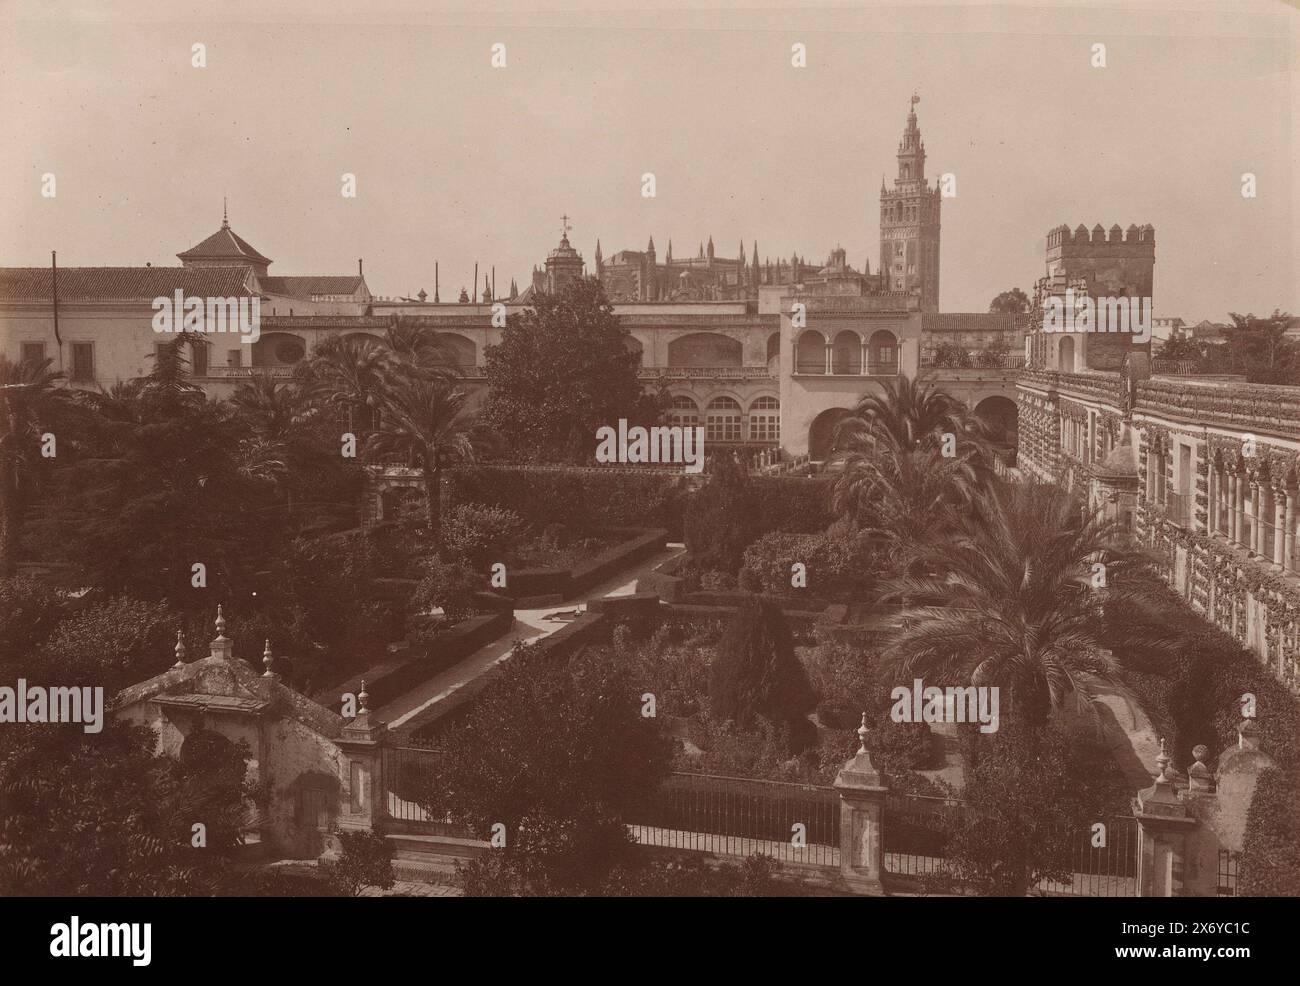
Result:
<point x="457" y="162"/>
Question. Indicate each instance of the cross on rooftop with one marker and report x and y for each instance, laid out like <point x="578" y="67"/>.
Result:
<point x="566" y="227"/>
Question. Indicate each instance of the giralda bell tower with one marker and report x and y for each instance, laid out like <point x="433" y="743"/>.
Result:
<point x="909" y="222"/>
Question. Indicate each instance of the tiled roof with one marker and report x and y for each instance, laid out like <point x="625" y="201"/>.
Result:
<point x="121" y="283"/>
<point x="305" y="287"/>
<point x="222" y="245"/>
<point x="970" y="322"/>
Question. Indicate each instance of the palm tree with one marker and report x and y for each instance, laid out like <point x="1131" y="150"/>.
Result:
<point x="1023" y="609"/>
<point x="903" y="498"/>
<point x="426" y="421"/>
<point x="419" y="346"/>
<point x="345" y="374"/>
<point x="30" y="402"/>
<point x="908" y="414"/>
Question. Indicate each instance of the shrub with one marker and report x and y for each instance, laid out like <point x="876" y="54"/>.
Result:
<point x="29" y="611"/>
<point x="836" y="565"/>
<point x="1270" y="857"/>
<point x="450" y="586"/>
<point x="792" y="504"/>
<point x="478" y="535"/>
<point x="366" y="860"/>
<point x="950" y="354"/>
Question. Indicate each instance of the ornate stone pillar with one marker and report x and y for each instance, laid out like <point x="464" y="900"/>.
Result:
<point x="1279" y="527"/>
<point x="862" y="820"/>
<point x="365" y="802"/>
<point x="1234" y="509"/>
<point x="1255" y="518"/>
<point x="1288" y="549"/>
<point x="1163" y="826"/>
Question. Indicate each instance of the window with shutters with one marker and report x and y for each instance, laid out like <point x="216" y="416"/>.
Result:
<point x="83" y="362"/>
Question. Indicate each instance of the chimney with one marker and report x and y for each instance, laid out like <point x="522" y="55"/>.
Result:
<point x="360" y="271"/>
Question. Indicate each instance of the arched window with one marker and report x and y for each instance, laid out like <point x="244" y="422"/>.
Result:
<point x="810" y="353"/>
<point x="722" y="420"/>
<point x="846" y="353"/>
<point x="683" y="411"/>
<point x="882" y="357"/>
<point x="765" y="420"/>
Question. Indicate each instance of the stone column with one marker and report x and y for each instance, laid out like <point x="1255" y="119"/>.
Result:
<point x="862" y="820"/>
<point x="1288" y="550"/>
<point x="1234" y="510"/>
<point x="1211" y="492"/>
<point x="864" y="354"/>
<point x="1253" y="541"/>
<point x="1279" y="527"/>
<point x="1163" y="826"/>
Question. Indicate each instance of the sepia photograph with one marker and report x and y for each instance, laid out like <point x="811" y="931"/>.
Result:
<point x="633" y="449"/>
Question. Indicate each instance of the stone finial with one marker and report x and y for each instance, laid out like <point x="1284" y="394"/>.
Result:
<point x="862" y="735"/>
<point x="1248" y="735"/>
<point x="363" y="698"/>
<point x="267" y="660"/>
<point x="1198" y="775"/>
<point x="1162" y="761"/>
<point x="221" y="644"/>
<point x="180" y="649"/>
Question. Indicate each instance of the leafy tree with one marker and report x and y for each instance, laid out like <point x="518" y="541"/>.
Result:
<point x="1012" y="600"/>
<point x="164" y="490"/>
<point x="952" y="355"/>
<point x="1027" y="807"/>
<point x="562" y="370"/>
<point x="114" y="643"/>
<point x="101" y="815"/>
<point x="755" y="671"/>
<point x="344" y="376"/>
<point x="1013" y="302"/>
<point x="30" y="405"/>
<point x="1260" y="347"/>
<point x="721" y="518"/>
<point x="556" y="754"/>
<point x="1182" y="348"/>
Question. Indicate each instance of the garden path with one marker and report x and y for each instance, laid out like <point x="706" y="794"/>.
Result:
<point x="530" y="624"/>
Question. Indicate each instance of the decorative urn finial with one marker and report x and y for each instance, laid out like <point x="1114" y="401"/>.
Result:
<point x="180" y="650"/>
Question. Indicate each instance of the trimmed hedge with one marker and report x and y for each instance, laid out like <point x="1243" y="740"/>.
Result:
<point x="586" y="498"/>
<point x="386" y="681"/>
<point x="1270" y="854"/>
<point x="594" y="497"/>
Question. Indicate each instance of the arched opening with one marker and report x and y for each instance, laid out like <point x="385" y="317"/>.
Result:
<point x="882" y="353"/>
<point x="1065" y="355"/>
<point x="705" y="349"/>
<point x="821" y="434"/>
<point x="810" y="353"/>
<point x="683" y="411"/>
<point x="278" y="349"/>
<point x="774" y="353"/>
<point x="462" y="351"/>
<point x="722" y="420"/>
<point x="1001" y="416"/>
<point x="846" y="353"/>
<point x="765" y="419"/>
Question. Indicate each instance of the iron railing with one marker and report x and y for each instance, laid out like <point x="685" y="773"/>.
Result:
<point x="738" y="816"/>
